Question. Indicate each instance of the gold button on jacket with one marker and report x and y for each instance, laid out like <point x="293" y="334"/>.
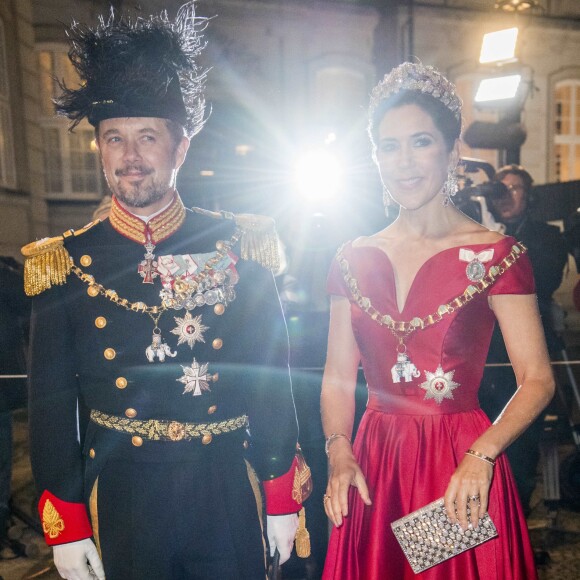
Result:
<point x="121" y="382"/>
<point x="110" y="353"/>
<point x="100" y="322"/>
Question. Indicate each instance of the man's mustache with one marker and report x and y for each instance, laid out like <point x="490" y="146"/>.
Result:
<point x="124" y="171"/>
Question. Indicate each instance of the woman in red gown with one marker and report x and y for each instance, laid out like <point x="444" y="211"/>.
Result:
<point x="416" y="304"/>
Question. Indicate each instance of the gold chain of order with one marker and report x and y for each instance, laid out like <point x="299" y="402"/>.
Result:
<point x="155" y="312"/>
<point x="402" y="329"/>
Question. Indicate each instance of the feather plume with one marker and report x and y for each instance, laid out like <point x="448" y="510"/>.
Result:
<point x="140" y="64"/>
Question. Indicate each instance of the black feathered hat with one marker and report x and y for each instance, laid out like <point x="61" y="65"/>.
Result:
<point x="142" y="67"/>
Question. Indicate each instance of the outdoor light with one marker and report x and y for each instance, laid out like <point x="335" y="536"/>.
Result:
<point x="243" y="149"/>
<point x="498" y="88"/>
<point x="318" y="175"/>
<point x="499" y="47"/>
<point x="516" y="5"/>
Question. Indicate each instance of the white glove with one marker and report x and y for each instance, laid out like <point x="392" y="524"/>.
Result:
<point x="281" y="533"/>
<point x="72" y="561"/>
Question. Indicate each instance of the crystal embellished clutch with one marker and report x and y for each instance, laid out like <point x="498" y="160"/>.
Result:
<point x="429" y="538"/>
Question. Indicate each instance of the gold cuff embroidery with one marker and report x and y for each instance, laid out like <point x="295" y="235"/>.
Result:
<point x="52" y="522"/>
<point x="302" y="477"/>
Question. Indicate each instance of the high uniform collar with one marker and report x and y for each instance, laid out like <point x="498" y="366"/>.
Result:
<point x="157" y="229"/>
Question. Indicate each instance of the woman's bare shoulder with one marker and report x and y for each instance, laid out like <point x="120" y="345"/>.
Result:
<point x="472" y="233"/>
<point x="377" y="239"/>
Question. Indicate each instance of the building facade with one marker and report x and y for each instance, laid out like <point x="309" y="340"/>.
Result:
<point x="284" y="76"/>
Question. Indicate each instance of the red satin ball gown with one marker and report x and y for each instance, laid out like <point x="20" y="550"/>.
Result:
<point x="414" y="434"/>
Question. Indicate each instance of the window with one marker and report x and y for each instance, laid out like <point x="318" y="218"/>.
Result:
<point x="567" y="130"/>
<point x="7" y="168"/>
<point x="70" y="160"/>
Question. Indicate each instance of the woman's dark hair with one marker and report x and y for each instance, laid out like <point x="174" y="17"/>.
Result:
<point x="443" y="118"/>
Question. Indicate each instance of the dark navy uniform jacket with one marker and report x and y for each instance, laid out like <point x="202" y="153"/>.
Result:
<point x="88" y="353"/>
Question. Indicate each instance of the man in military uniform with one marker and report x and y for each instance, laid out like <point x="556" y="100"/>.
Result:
<point x="548" y="255"/>
<point x="160" y="394"/>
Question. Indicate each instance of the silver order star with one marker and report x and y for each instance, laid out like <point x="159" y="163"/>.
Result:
<point x="439" y="385"/>
<point x="189" y="329"/>
<point x="195" y="378"/>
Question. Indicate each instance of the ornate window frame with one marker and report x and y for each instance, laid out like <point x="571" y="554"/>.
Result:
<point x="568" y="76"/>
<point x="71" y="165"/>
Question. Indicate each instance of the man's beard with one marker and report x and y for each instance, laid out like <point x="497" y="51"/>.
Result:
<point x="140" y="195"/>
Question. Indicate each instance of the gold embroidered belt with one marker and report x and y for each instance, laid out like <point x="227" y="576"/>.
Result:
<point x="158" y="430"/>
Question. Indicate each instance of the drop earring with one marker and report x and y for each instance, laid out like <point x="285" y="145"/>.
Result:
<point x="387" y="200"/>
<point x="450" y="187"/>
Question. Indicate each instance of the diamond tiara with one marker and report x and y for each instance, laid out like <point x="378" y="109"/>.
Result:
<point x="417" y="77"/>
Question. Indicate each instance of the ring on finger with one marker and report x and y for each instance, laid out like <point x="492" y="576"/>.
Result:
<point x="474" y="497"/>
<point x="325" y="498"/>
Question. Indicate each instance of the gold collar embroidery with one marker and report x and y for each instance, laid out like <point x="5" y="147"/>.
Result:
<point x="156" y="230"/>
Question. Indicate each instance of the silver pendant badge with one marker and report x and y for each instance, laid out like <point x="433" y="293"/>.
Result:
<point x="157" y="348"/>
<point x="475" y="269"/>
<point x="404" y="369"/>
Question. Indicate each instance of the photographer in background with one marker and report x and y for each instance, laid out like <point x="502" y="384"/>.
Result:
<point x="510" y="206"/>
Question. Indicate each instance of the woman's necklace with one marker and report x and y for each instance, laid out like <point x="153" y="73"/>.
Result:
<point x="404" y="369"/>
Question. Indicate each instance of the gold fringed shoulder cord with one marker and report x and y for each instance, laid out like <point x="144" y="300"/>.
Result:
<point x="47" y="262"/>
<point x="259" y="240"/>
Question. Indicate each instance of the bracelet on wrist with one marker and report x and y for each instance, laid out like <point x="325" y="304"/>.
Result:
<point x="331" y="438"/>
<point x="481" y="456"/>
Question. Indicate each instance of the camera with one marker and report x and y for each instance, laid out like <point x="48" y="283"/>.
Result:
<point x="476" y="201"/>
<point x="491" y="190"/>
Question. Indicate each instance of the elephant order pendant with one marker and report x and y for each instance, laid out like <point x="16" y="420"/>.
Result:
<point x="404" y="369"/>
<point x="158" y="349"/>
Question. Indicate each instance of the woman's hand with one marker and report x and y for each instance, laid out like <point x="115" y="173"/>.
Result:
<point x="468" y="485"/>
<point x="344" y="472"/>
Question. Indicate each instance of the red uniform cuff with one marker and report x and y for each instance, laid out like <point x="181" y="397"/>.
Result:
<point x="63" y="521"/>
<point x="281" y="493"/>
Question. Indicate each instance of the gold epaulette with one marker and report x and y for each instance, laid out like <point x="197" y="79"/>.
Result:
<point x="259" y="240"/>
<point x="47" y="262"/>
